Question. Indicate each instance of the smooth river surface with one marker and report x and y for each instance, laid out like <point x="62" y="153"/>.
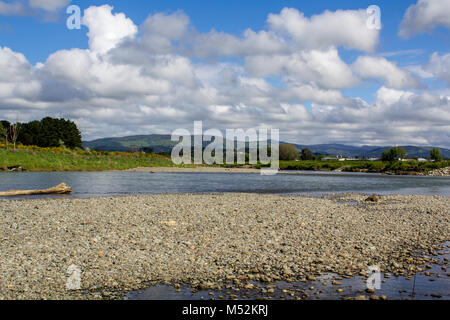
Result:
<point x="98" y="184"/>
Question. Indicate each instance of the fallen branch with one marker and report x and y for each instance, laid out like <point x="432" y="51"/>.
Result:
<point x="60" y="189"/>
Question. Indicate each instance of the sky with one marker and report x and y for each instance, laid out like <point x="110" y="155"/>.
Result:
<point x="319" y="71"/>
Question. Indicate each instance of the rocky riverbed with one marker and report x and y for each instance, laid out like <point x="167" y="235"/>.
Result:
<point x="444" y="172"/>
<point x="127" y="243"/>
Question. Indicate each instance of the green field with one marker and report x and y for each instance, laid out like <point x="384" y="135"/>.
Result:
<point x="59" y="159"/>
<point x="62" y="159"/>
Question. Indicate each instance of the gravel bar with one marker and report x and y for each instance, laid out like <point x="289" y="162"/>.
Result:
<point x="205" y="240"/>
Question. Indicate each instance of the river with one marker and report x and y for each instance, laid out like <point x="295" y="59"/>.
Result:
<point x="116" y="183"/>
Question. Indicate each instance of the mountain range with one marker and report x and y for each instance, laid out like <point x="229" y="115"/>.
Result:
<point x="163" y="144"/>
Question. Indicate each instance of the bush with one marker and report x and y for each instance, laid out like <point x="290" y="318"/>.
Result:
<point x="394" y="154"/>
<point x="288" y="152"/>
<point x="50" y="132"/>
<point x="307" y="154"/>
<point x="436" y="155"/>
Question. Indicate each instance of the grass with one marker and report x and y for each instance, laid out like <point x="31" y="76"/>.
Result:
<point x="61" y="159"/>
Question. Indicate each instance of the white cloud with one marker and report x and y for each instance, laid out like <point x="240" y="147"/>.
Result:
<point x="219" y="44"/>
<point x="324" y="68"/>
<point x="439" y="66"/>
<point x="159" y="31"/>
<point x="85" y="70"/>
<point x="107" y="30"/>
<point x="346" y="28"/>
<point x="370" y="67"/>
<point x="172" y="26"/>
<point x="17" y="79"/>
<point x="424" y="16"/>
<point x="307" y="92"/>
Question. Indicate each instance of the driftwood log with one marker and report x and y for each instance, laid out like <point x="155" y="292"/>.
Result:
<point x="60" y="189"/>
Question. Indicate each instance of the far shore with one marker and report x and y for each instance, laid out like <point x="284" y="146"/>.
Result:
<point x="36" y="159"/>
<point x="205" y="169"/>
<point x="198" y="170"/>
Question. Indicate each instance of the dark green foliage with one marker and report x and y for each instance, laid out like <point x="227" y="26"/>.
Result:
<point x="2" y="130"/>
<point x="436" y="154"/>
<point x="50" y="132"/>
<point x="307" y="154"/>
<point x="394" y="154"/>
<point x="288" y="152"/>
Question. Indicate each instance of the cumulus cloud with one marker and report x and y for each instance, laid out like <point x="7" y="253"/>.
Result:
<point x="169" y="26"/>
<point x="107" y="30"/>
<point x="370" y="67"/>
<point x="164" y="75"/>
<point x="424" y="16"/>
<point x="325" y="68"/>
<point x="17" y="79"/>
<point x="346" y="28"/>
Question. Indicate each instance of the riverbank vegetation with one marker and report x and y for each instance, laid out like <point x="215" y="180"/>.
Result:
<point x="397" y="167"/>
<point x="32" y="158"/>
<point x="48" y="132"/>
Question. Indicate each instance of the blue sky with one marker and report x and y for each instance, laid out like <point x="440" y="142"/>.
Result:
<point x="278" y="71"/>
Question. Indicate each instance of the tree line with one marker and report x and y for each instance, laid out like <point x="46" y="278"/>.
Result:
<point x="48" y="132"/>
<point x="398" y="153"/>
<point x="289" y="152"/>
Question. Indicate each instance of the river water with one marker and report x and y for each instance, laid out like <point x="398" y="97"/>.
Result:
<point x="113" y="183"/>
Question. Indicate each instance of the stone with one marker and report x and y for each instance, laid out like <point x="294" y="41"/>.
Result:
<point x="373" y="198"/>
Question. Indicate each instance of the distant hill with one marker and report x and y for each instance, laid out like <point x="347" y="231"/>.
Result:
<point x="158" y="143"/>
<point x="164" y="144"/>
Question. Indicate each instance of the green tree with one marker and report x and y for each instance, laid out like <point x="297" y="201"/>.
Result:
<point x="307" y="154"/>
<point x="5" y="132"/>
<point x="436" y="155"/>
<point x="2" y="132"/>
<point x="51" y="132"/>
<point x="288" y="152"/>
<point x="394" y="154"/>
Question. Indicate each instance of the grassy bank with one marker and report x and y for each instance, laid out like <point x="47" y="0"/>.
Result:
<point x="409" y="167"/>
<point x="60" y="159"/>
